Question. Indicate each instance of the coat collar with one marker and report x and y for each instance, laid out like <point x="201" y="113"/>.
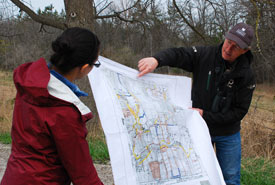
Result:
<point x="61" y="91"/>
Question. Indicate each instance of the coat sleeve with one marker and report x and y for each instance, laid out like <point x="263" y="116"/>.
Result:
<point x="69" y="134"/>
<point x="237" y="110"/>
<point x="184" y="58"/>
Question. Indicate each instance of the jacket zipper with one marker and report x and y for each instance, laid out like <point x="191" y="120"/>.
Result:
<point x="208" y="80"/>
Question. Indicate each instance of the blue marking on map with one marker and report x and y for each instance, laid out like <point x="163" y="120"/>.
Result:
<point x="175" y="176"/>
<point x="142" y="115"/>
<point x="156" y="127"/>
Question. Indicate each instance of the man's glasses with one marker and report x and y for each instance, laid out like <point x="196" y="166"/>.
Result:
<point x="96" y="63"/>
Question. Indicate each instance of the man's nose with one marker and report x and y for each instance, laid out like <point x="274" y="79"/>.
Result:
<point x="230" y="48"/>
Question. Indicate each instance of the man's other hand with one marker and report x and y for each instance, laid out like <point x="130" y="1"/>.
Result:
<point x="199" y="110"/>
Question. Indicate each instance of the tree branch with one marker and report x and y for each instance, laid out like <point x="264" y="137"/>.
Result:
<point x="40" y="19"/>
<point x="186" y="21"/>
<point x="106" y="6"/>
<point x="212" y="5"/>
<point x="134" y="5"/>
<point x="116" y="14"/>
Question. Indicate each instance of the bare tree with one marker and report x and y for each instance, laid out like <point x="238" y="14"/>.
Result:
<point x="189" y="22"/>
<point x="80" y="13"/>
<point x="83" y="13"/>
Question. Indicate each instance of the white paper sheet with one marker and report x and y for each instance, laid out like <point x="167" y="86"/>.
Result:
<point x="152" y="135"/>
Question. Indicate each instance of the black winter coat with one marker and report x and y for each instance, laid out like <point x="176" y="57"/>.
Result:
<point x="211" y="76"/>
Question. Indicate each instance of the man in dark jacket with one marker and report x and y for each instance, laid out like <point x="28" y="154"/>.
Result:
<point x="223" y="84"/>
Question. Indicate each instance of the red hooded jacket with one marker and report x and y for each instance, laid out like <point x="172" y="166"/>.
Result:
<point x="48" y="132"/>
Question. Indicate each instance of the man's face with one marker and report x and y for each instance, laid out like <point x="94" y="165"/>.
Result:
<point x="231" y="51"/>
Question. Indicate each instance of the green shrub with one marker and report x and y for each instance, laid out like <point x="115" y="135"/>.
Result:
<point x="98" y="150"/>
<point x="257" y="171"/>
<point x="5" y="138"/>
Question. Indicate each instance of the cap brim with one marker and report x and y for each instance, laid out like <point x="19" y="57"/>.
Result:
<point x="236" y="39"/>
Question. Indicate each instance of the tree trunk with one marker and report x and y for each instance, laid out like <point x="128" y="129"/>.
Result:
<point x="79" y="13"/>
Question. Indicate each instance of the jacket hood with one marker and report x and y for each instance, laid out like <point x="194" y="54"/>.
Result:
<point x="37" y="86"/>
<point x="31" y="80"/>
<point x="249" y="56"/>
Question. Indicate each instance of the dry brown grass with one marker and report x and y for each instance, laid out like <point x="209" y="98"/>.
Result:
<point x="258" y="127"/>
<point x="7" y="96"/>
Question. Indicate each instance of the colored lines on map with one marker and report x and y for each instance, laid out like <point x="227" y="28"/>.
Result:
<point x="156" y="92"/>
<point x="159" y="143"/>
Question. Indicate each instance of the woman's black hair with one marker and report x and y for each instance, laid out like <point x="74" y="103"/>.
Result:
<point x="74" y="47"/>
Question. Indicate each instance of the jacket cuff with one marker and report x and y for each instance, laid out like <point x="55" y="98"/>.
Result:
<point x="160" y="61"/>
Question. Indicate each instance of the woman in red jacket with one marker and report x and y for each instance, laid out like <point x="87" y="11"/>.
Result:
<point x="48" y="130"/>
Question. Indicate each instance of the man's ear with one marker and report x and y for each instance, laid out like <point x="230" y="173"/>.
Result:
<point x="245" y="50"/>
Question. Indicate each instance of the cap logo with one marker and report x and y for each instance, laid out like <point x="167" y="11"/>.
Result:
<point x="241" y="32"/>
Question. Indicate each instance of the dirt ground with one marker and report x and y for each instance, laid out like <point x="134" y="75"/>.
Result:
<point x="104" y="171"/>
<point x="4" y="155"/>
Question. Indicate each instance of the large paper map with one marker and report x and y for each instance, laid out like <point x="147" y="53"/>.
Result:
<point x="147" y="126"/>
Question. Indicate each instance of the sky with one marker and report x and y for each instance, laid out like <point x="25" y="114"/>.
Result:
<point x="35" y="4"/>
